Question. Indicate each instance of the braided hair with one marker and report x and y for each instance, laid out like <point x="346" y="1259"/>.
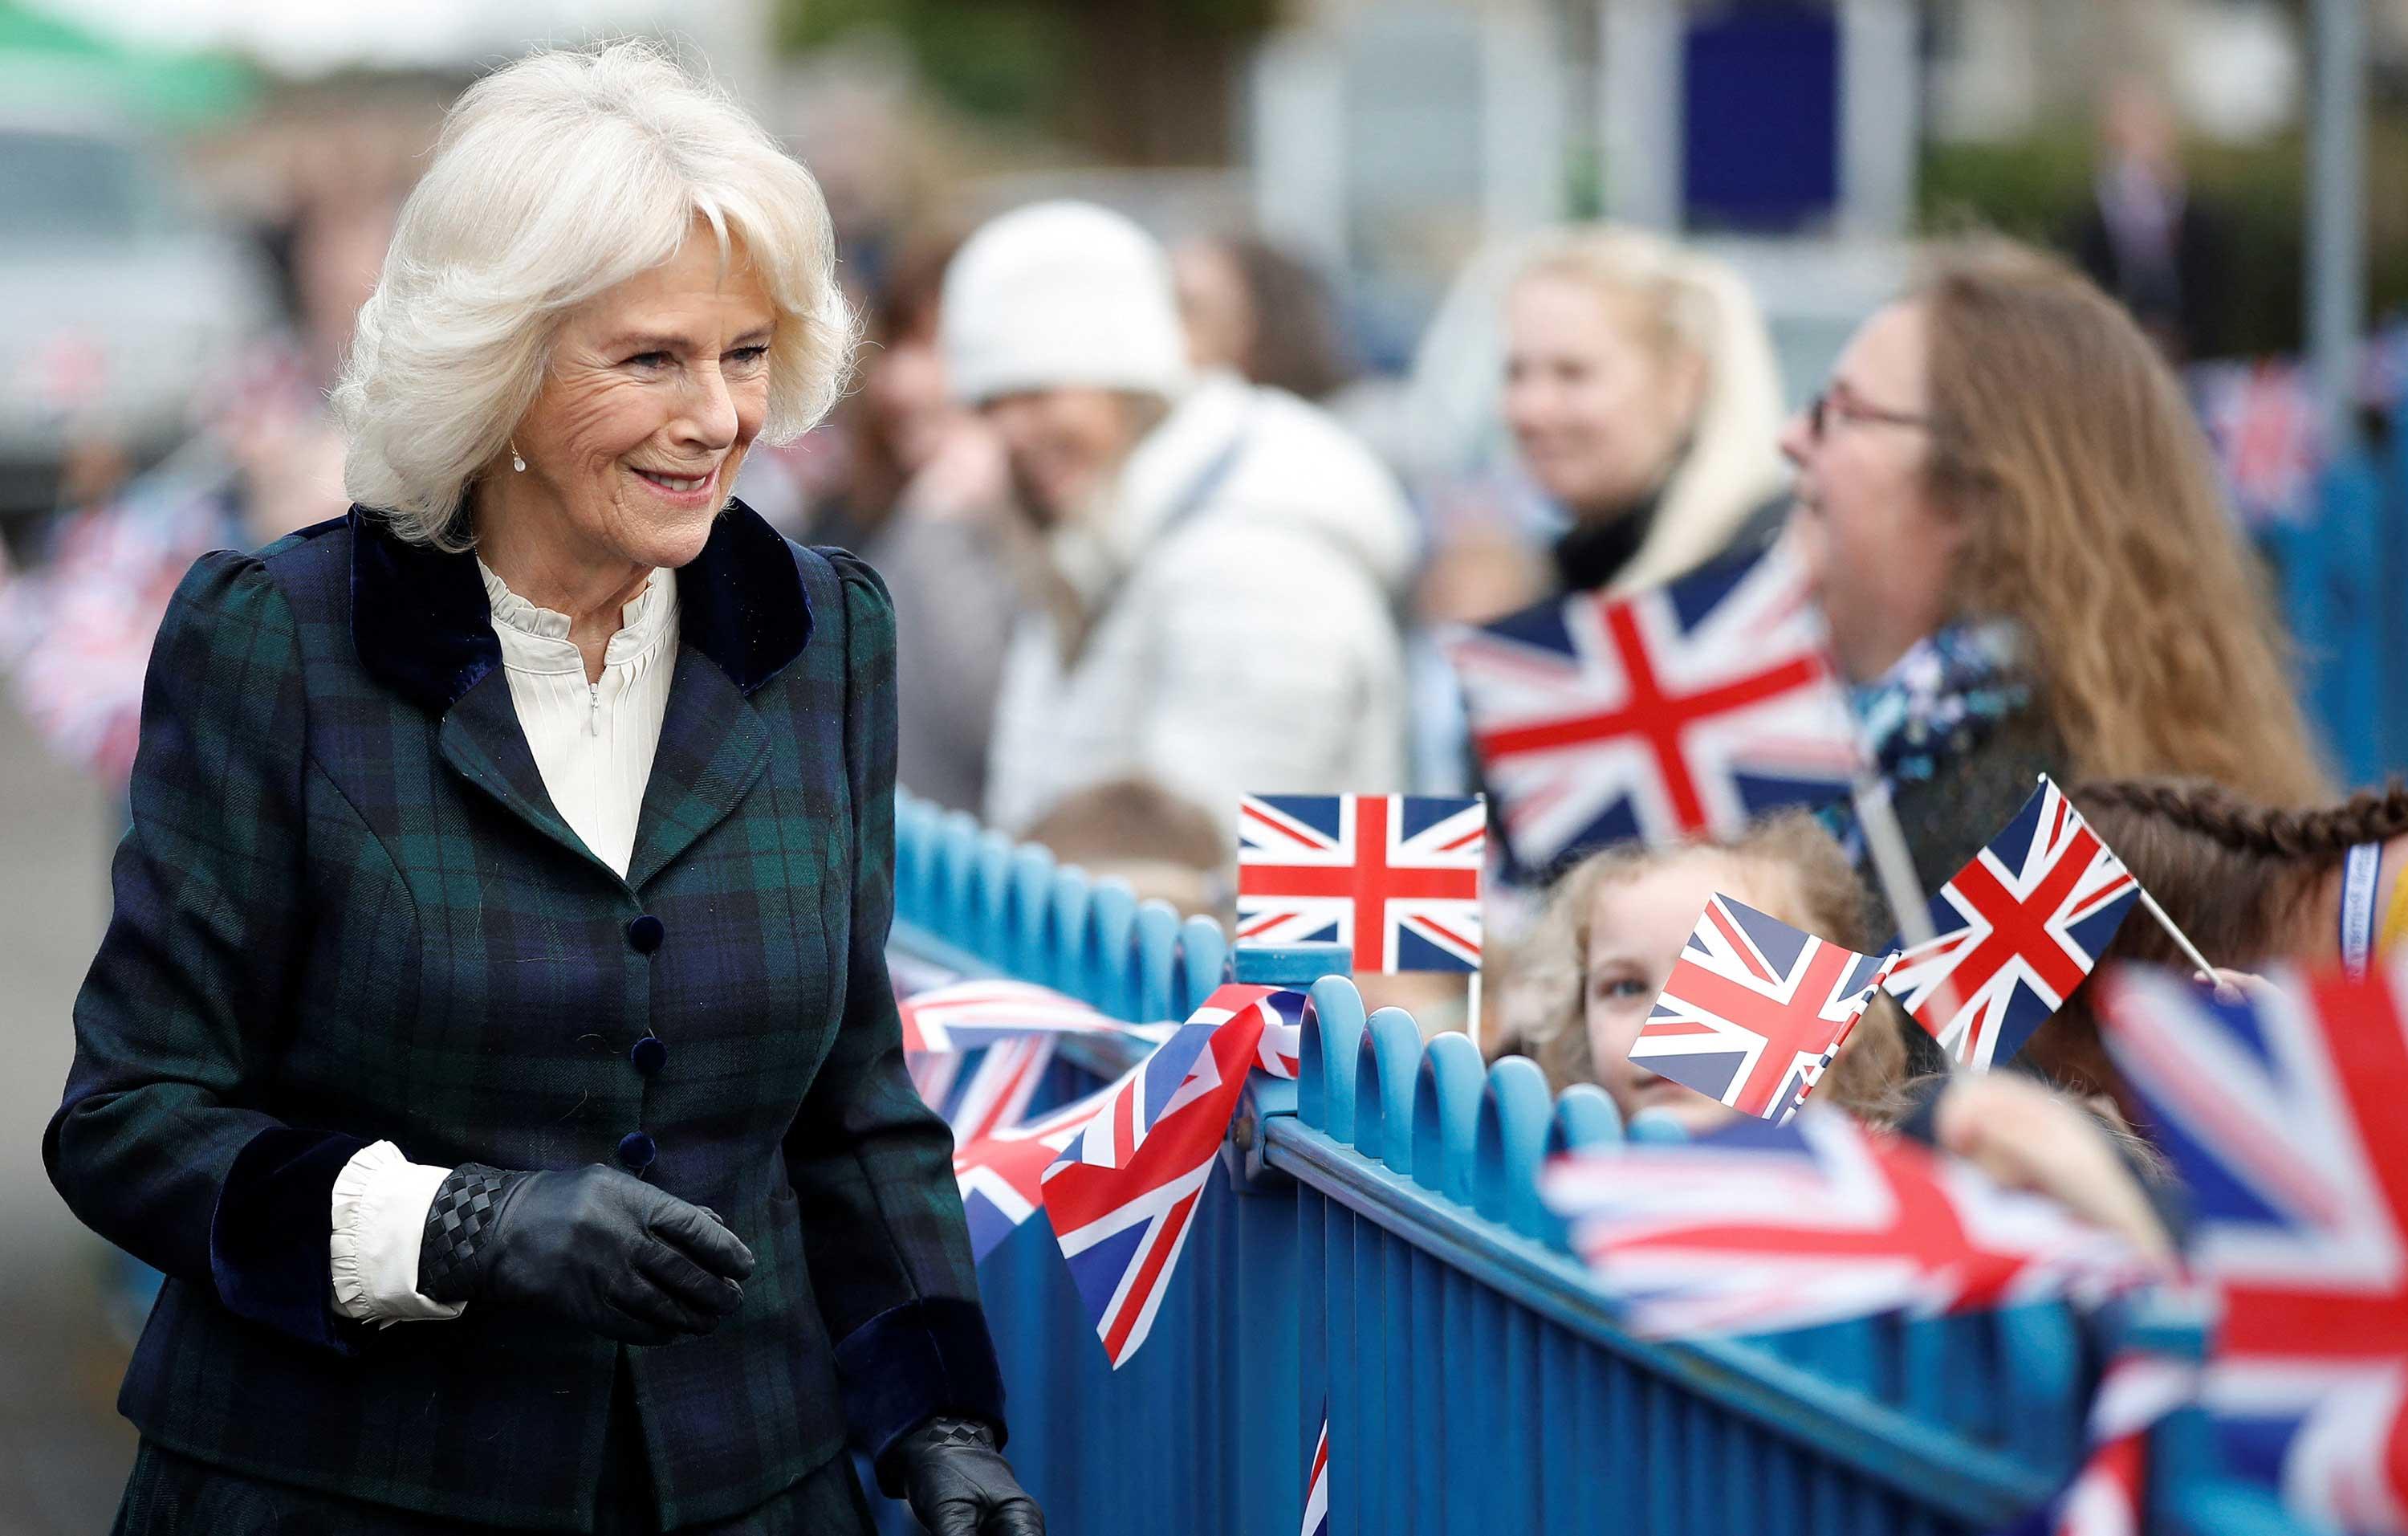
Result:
<point x="2316" y="837"/>
<point x="2237" y="876"/>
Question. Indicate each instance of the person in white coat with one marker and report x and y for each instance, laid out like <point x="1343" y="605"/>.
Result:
<point x="1222" y="561"/>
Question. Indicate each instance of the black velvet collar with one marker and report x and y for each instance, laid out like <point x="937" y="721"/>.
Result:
<point x="424" y="629"/>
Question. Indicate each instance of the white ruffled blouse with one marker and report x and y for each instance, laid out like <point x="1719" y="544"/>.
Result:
<point x="593" y="742"/>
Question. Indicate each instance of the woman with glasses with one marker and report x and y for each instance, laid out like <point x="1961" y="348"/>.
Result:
<point x="2017" y="533"/>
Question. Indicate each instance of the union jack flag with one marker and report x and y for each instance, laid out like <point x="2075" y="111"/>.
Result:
<point x="1280" y="1012"/>
<point x="965" y="1015"/>
<point x="1316" y="1482"/>
<point x="996" y="1096"/>
<point x="2261" y="420"/>
<point x="1001" y="1175"/>
<point x="2282" y="1112"/>
<point x="1661" y="715"/>
<point x="1395" y="876"/>
<point x="2108" y="1495"/>
<point x="1755" y="1010"/>
<point x="2016" y="930"/>
<point x="1759" y="1228"/>
<point x="1011" y="1026"/>
<point x="1121" y="1195"/>
<point x="77" y="634"/>
<point x="933" y="1075"/>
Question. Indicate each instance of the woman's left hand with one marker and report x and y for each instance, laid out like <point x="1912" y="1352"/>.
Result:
<point x="959" y="1485"/>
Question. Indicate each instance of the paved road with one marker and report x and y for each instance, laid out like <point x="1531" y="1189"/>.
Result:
<point x="64" y="1451"/>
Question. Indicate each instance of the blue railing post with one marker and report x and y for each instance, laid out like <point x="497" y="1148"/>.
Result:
<point x="1203" y="964"/>
<point x="1297" y="966"/>
<point x="1507" y="1144"/>
<point x="1066" y="930"/>
<point x="1027" y="896"/>
<point x="1325" y="1078"/>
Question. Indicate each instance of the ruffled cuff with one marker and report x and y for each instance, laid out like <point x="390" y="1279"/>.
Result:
<point x="379" y="1215"/>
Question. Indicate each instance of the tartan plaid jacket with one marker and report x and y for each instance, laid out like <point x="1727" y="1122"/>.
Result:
<point x="347" y="910"/>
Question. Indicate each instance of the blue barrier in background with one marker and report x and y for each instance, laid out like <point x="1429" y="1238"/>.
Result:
<point x="1374" y="1235"/>
<point x="2343" y="586"/>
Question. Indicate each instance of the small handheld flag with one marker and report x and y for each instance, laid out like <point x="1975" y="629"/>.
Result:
<point x="1755" y="1010"/>
<point x="1395" y="876"/>
<point x="2017" y="929"/>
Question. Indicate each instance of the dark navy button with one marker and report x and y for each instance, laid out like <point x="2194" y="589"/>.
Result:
<point x="649" y="1054"/>
<point x="637" y="1152"/>
<point x="644" y="934"/>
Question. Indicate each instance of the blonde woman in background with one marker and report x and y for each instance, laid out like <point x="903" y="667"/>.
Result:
<point x="1641" y="393"/>
<point x="1636" y="386"/>
<point x="1636" y="389"/>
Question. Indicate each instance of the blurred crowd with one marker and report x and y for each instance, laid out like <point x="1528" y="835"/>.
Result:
<point x="1153" y="548"/>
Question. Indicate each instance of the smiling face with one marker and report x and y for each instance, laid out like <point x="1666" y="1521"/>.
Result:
<point x="655" y="389"/>
<point x="1064" y="445"/>
<point x="1636" y="930"/>
<point x="1879" y="550"/>
<point x="1597" y="413"/>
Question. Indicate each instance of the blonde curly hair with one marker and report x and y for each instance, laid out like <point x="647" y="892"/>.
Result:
<point x="1830" y="904"/>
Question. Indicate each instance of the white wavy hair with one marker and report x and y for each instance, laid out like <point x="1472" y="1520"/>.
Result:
<point x="555" y="178"/>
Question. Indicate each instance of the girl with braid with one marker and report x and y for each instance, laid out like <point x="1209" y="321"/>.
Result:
<point x="2252" y="884"/>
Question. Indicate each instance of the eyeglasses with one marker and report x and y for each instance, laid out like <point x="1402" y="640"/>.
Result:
<point x="1823" y="408"/>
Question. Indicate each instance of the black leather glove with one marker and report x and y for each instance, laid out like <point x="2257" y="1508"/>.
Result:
<point x="597" y="1246"/>
<point x="959" y="1485"/>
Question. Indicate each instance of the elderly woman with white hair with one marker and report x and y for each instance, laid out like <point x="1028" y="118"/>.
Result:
<point x="498" y="940"/>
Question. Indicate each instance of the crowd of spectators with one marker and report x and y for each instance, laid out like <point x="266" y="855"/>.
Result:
<point x="1143" y="563"/>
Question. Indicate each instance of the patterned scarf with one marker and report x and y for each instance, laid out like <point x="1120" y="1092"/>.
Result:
<point x="1939" y="701"/>
<point x="1942" y="698"/>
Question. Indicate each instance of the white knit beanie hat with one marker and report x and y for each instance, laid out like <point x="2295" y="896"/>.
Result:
<point x="1061" y="294"/>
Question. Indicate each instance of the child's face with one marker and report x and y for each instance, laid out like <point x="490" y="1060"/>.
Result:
<point x="1636" y="930"/>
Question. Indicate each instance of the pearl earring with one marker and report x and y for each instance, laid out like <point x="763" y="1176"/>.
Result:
<point x="516" y="462"/>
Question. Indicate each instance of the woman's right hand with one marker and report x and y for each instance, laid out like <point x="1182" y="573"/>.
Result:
<point x="594" y="1245"/>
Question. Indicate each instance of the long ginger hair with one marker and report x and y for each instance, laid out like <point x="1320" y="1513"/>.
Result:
<point x="2094" y="518"/>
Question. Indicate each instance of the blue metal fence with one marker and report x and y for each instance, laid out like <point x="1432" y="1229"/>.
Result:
<point x="1374" y="1237"/>
<point x="2345" y="596"/>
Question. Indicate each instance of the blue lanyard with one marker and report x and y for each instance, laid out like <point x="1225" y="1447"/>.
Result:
<point x="2361" y="871"/>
